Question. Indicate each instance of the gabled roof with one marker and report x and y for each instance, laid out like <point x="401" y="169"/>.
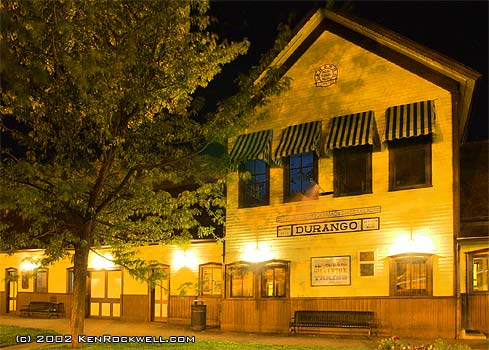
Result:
<point x="455" y="77"/>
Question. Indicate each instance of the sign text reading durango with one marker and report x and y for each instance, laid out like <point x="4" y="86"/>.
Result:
<point x="365" y="224"/>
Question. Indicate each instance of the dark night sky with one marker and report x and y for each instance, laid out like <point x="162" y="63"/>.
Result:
<point x="457" y="29"/>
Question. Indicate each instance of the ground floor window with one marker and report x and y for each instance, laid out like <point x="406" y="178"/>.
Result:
<point x="210" y="279"/>
<point x="411" y="274"/>
<point x="70" y="280"/>
<point x="266" y="279"/>
<point x="274" y="279"/>
<point x="240" y="279"/>
<point x="41" y="281"/>
<point x="478" y="271"/>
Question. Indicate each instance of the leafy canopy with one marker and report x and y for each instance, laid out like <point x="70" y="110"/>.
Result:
<point x="98" y="122"/>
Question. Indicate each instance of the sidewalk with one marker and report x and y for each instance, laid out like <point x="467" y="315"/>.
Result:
<point x="97" y="327"/>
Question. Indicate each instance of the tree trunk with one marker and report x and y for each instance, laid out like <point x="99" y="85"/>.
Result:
<point x="77" y="320"/>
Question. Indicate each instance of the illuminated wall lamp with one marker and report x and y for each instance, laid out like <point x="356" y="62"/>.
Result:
<point x="407" y="243"/>
<point x="102" y="261"/>
<point x="257" y="252"/>
<point x="185" y="258"/>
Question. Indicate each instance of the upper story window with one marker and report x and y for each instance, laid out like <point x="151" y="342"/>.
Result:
<point x="352" y="170"/>
<point x="409" y="130"/>
<point x="410" y="163"/>
<point x="300" y="175"/>
<point x="254" y="184"/>
<point x="411" y="274"/>
<point x="252" y="153"/>
<point x="351" y="138"/>
<point x="41" y="281"/>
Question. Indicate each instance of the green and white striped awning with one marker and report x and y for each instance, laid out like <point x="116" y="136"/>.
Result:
<point x="410" y="120"/>
<point x="298" y="139"/>
<point x="252" y="146"/>
<point x="352" y="130"/>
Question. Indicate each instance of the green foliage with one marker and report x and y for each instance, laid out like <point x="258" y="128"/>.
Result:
<point x="104" y="143"/>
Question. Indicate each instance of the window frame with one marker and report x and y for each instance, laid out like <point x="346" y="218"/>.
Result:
<point x="273" y="264"/>
<point x="470" y="265"/>
<point x="288" y="195"/>
<point x="202" y="282"/>
<point x="339" y="155"/>
<point x="241" y="265"/>
<point x="37" y="288"/>
<point x="411" y="144"/>
<point x="393" y="274"/>
<point x="244" y="200"/>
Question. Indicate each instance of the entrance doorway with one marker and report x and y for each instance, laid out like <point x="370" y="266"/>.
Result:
<point x="11" y="278"/>
<point x="474" y="310"/>
<point x="159" y="295"/>
<point x="105" y="293"/>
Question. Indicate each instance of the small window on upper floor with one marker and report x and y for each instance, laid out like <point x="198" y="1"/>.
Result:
<point x="352" y="170"/>
<point x="254" y="185"/>
<point x="410" y="163"/>
<point x="300" y="176"/>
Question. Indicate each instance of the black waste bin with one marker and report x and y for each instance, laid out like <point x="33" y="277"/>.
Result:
<point x="198" y="314"/>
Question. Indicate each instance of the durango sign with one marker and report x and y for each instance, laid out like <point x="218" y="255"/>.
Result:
<point x="365" y="224"/>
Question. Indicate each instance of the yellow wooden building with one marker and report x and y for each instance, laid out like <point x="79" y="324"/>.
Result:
<point x="347" y="197"/>
<point x="348" y="194"/>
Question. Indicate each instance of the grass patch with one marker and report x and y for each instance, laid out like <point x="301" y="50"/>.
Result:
<point x="200" y="345"/>
<point x="9" y="334"/>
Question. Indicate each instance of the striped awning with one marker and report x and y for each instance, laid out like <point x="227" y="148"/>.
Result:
<point x="298" y="139"/>
<point x="252" y="146"/>
<point x="352" y="130"/>
<point x="414" y="119"/>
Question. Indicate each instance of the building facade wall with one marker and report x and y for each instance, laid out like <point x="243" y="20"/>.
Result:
<point x="365" y="82"/>
<point x="134" y="298"/>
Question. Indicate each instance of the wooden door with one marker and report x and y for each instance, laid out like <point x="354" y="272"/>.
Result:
<point x="159" y="296"/>
<point x="11" y="277"/>
<point x="105" y="293"/>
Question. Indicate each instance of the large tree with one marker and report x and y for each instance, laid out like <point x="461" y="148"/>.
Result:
<point x="98" y="120"/>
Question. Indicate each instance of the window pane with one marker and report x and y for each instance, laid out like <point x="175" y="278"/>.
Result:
<point x="241" y="282"/>
<point x="301" y="174"/>
<point x="41" y="281"/>
<point x="274" y="281"/>
<point x="410" y="163"/>
<point x="480" y="274"/>
<point x="352" y="167"/>
<point x="411" y="276"/>
<point x="254" y="191"/>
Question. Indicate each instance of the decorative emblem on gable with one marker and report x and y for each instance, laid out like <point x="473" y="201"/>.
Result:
<point x="326" y="75"/>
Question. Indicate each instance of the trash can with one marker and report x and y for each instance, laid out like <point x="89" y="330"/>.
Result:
<point x="198" y="314"/>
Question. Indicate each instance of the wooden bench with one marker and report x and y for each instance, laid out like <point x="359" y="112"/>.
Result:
<point x="332" y="319"/>
<point x="43" y="308"/>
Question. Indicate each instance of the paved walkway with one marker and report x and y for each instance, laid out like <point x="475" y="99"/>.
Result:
<point x="97" y="327"/>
